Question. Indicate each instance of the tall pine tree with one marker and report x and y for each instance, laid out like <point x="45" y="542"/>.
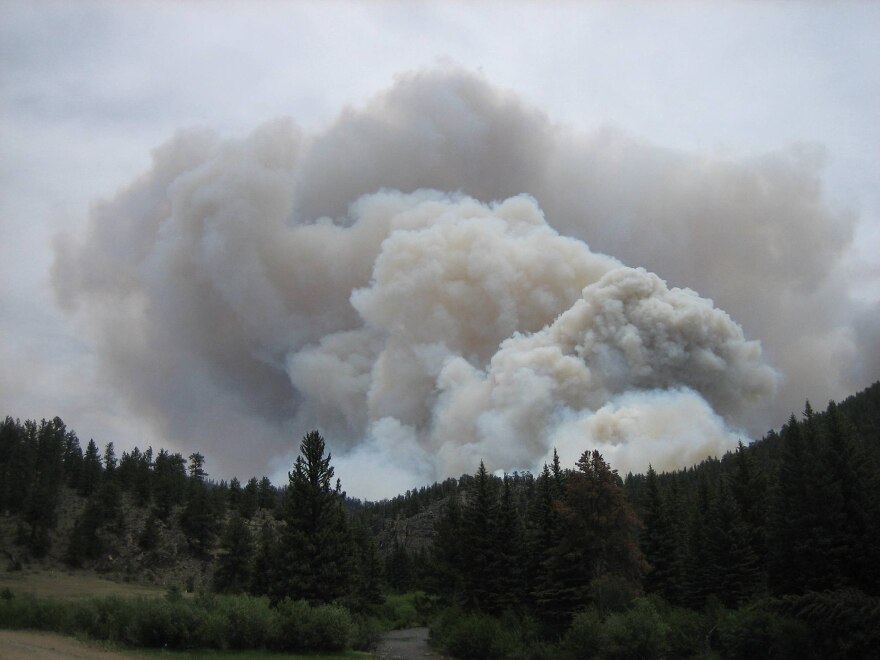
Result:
<point x="315" y="553"/>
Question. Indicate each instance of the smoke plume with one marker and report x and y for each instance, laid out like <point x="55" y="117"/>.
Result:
<point x="414" y="281"/>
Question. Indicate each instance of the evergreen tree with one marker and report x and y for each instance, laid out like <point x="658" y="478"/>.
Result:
<point x="90" y="476"/>
<point x="18" y="450"/>
<point x="110" y="462"/>
<point x="505" y="577"/>
<point x="478" y="533"/>
<point x="234" y="494"/>
<point x="250" y="498"/>
<point x="447" y="556"/>
<point x="149" y="536"/>
<point x="698" y="579"/>
<point x="599" y="536"/>
<point x="543" y="541"/>
<point x="267" y="499"/>
<point x="315" y="555"/>
<point x="265" y="561"/>
<point x="169" y="482"/>
<point x="197" y="519"/>
<point x="369" y="576"/>
<point x="73" y="459"/>
<point x="397" y="568"/>
<point x="659" y="542"/>
<point x="789" y="527"/>
<point x="43" y="499"/>
<point x="233" y="573"/>
<point x="735" y="575"/>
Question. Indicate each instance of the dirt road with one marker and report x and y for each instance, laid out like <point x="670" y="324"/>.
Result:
<point x="409" y="644"/>
<point x="27" y="645"/>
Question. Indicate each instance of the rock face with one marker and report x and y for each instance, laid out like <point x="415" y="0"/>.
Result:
<point x="414" y="533"/>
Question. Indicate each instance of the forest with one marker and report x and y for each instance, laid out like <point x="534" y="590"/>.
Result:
<point x="772" y="550"/>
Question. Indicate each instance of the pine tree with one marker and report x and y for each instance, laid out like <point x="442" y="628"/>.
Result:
<point x="43" y="498"/>
<point x="149" y="536"/>
<point x="543" y="539"/>
<point x="734" y="566"/>
<point x="506" y="579"/>
<point x="197" y="519"/>
<point x="315" y="555"/>
<point x="233" y="573"/>
<point x="447" y="556"/>
<point x="169" y="482"/>
<point x="90" y="476"/>
<point x="398" y="569"/>
<point x="599" y="537"/>
<point x="250" y="498"/>
<point x="699" y="580"/>
<point x="789" y="526"/>
<point x="658" y="541"/>
<point x="265" y="561"/>
<point x="478" y="532"/>
<point x="369" y="574"/>
<point x="267" y="496"/>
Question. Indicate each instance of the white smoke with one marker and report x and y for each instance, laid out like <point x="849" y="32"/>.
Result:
<point x="244" y="291"/>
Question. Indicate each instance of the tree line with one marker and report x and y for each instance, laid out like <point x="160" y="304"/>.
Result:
<point x="784" y="532"/>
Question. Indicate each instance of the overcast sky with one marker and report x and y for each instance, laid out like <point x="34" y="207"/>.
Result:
<point x="89" y="89"/>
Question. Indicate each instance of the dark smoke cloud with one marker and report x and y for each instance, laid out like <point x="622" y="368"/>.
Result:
<point x="243" y="290"/>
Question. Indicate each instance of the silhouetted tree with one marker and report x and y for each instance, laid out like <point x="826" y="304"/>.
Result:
<point x="315" y="554"/>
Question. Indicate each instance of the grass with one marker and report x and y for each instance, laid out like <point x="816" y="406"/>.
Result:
<point x="58" y="584"/>
<point x="245" y="655"/>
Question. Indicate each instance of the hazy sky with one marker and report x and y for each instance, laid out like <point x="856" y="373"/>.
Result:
<point x="88" y="91"/>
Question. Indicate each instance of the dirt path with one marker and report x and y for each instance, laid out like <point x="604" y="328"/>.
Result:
<point x="27" y="645"/>
<point x="409" y="644"/>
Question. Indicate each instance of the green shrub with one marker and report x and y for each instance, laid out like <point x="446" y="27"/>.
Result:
<point x="27" y="611"/>
<point x="106" y="618"/>
<point x="687" y="632"/>
<point x="640" y="632"/>
<point x="612" y="593"/>
<point x="755" y="632"/>
<point x="241" y="622"/>
<point x="399" y="611"/>
<point x="366" y="632"/>
<point x="844" y="623"/>
<point x="470" y="635"/>
<point x="164" y="624"/>
<point x="305" y="628"/>
<point x="584" y="637"/>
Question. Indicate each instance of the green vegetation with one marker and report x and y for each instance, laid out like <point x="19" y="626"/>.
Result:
<point x="207" y="621"/>
<point x="770" y="551"/>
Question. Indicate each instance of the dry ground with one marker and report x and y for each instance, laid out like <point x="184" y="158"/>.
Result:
<point x="410" y="644"/>
<point x="58" y="584"/>
<point x="29" y="645"/>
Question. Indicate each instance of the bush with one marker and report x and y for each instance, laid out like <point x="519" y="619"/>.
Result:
<point x="755" y="632"/>
<point x="584" y="637"/>
<point x="27" y="611"/>
<point x="688" y="630"/>
<point x="305" y="628"/>
<point x="640" y="632"/>
<point x="470" y="635"/>
<point x="844" y="623"/>
<point x="104" y="618"/>
<point x="366" y="632"/>
<point x="242" y="622"/>
<point x="612" y="593"/>
<point x="165" y="624"/>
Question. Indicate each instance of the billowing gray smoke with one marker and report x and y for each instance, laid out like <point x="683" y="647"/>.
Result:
<point x="393" y="281"/>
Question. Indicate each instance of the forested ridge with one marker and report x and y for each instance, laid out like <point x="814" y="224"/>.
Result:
<point x="772" y="550"/>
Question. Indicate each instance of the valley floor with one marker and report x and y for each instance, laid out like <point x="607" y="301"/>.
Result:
<point x="30" y="645"/>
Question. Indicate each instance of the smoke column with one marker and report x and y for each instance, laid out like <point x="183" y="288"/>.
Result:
<point x="414" y="281"/>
